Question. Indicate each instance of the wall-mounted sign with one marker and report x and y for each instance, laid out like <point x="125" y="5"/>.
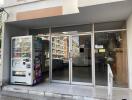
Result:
<point x="101" y="50"/>
<point x="99" y="46"/>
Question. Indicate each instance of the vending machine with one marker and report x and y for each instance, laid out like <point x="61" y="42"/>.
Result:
<point x="26" y="60"/>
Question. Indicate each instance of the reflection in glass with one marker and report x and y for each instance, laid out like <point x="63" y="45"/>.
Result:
<point x="111" y="47"/>
<point x="60" y="59"/>
<point x="81" y="58"/>
<point x="46" y="56"/>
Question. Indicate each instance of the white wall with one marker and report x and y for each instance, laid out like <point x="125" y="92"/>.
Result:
<point x="1" y="2"/>
<point x="31" y="6"/>
<point x="83" y="3"/>
<point x="129" y="44"/>
<point x="17" y="2"/>
<point x="70" y="6"/>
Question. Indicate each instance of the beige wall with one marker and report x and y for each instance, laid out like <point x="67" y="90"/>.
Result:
<point x="40" y="13"/>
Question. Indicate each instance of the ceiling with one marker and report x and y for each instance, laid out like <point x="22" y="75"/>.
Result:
<point x="91" y="14"/>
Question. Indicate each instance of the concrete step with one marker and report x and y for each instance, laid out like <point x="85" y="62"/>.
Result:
<point x="34" y="95"/>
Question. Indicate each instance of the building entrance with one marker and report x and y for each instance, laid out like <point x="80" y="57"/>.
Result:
<point x="71" y="58"/>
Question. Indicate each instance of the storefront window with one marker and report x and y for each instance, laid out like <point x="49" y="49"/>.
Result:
<point x="111" y="47"/>
<point x="60" y="63"/>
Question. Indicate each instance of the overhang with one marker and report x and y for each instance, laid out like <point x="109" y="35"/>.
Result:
<point x="91" y="14"/>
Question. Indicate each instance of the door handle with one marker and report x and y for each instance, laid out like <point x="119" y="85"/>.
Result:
<point x="70" y="54"/>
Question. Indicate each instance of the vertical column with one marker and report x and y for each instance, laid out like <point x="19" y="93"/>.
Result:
<point x="93" y="56"/>
<point x="70" y="60"/>
<point x="4" y="75"/>
<point x="50" y="55"/>
<point x="2" y="56"/>
<point x="129" y="46"/>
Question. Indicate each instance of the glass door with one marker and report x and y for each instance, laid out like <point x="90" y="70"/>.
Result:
<point x="72" y="59"/>
<point x="60" y="59"/>
<point x="81" y="59"/>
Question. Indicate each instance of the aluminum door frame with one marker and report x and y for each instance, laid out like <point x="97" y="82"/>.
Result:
<point x="92" y="58"/>
<point x="70" y="81"/>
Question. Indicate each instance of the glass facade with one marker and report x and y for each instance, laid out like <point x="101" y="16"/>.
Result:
<point x="69" y="53"/>
<point x="111" y="48"/>
<point x="81" y="59"/>
<point x="60" y="62"/>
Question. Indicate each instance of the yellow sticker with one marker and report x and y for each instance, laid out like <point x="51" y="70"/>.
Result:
<point x="101" y="50"/>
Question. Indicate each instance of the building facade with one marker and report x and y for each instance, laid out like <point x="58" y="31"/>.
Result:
<point x="82" y="37"/>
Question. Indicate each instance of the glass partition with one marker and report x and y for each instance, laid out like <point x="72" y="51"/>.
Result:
<point x="111" y="47"/>
<point x="81" y="59"/>
<point x="60" y="58"/>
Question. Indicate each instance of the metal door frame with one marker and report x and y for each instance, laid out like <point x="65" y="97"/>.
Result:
<point x="70" y="81"/>
<point x="92" y="63"/>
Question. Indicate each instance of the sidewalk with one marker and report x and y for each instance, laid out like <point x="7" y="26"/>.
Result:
<point x="32" y="97"/>
<point x="76" y="92"/>
<point x="10" y="98"/>
<point x="48" y="91"/>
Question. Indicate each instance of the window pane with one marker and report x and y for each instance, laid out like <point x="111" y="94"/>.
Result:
<point x="111" y="47"/>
